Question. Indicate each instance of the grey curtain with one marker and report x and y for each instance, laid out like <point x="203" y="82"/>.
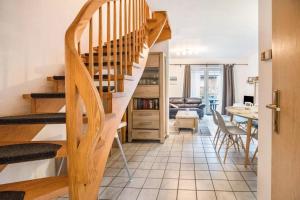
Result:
<point x="228" y="87"/>
<point x="187" y="81"/>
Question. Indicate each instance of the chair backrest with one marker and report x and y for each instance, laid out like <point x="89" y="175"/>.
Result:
<point x="221" y="123"/>
<point x="214" y="116"/>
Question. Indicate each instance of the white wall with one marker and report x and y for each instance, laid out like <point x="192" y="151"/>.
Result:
<point x="32" y="48"/>
<point x="241" y="74"/>
<point x="176" y="88"/>
<point x="265" y="97"/>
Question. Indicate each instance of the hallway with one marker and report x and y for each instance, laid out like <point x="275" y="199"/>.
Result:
<point x="185" y="167"/>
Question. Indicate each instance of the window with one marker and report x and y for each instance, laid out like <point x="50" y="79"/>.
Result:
<point x="206" y="83"/>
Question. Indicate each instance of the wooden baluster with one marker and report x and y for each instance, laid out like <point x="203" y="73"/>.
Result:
<point x="143" y="22"/>
<point x="108" y="46"/>
<point x="121" y="38"/>
<point x="136" y="30"/>
<point x="133" y="31"/>
<point x="125" y="37"/>
<point x="137" y="27"/>
<point x="100" y="53"/>
<point x="140" y="25"/>
<point x="129" y="69"/>
<point x="115" y="46"/>
<point x="91" y="53"/>
<point x="107" y="96"/>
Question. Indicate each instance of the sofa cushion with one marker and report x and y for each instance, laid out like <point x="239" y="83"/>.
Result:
<point x="181" y="105"/>
<point x="176" y="100"/>
<point x="193" y="101"/>
<point x="173" y="105"/>
<point x="190" y="106"/>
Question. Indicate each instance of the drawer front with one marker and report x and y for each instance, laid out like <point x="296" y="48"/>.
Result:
<point x="146" y="124"/>
<point x="147" y="115"/>
<point x="145" y="134"/>
<point x="153" y="61"/>
<point x="150" y="91"/>
<point x="185" y="123"/>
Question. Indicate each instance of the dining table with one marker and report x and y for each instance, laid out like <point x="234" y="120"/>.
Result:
<point x="249" y="113"/>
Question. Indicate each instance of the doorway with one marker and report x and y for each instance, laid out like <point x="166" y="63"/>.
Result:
<point x="206" y="83"/>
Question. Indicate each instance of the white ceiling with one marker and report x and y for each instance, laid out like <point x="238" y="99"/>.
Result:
<point x="213" y="28"/>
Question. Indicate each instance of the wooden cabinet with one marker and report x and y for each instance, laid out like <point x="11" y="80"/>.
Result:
<point x="147" y="109"/>
<point x="147" y="91"/>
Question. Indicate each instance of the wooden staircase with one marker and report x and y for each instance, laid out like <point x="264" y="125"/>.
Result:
<point x="96" y="90"/>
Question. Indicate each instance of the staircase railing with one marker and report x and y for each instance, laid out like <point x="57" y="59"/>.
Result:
<point x="85" y="104"/>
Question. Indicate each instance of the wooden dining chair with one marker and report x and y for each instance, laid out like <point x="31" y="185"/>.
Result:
<point x="232" y="135"/>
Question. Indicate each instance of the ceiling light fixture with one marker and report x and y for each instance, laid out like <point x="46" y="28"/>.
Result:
<point x="189" y="51"/>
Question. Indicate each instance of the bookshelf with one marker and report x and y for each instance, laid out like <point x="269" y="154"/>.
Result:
<point x="147" y="110"/>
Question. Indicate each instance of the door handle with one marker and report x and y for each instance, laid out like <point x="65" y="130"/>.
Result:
<point x="276" y="111"/>
<point x="273" y="107"/>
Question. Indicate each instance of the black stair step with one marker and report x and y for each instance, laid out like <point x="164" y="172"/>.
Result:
<point x="16" y="153"/>
<point x="96" y="77"/>
<point x="43" y="118"/>
<point x="12" y="195"/>
<point x="105" y="88"/>
<point x="61" y="95"/>
<point x="104" y="53"/>
<point x="104" y="63"/>
<point x="47" y="95"/>
<point x="118" y="45"/>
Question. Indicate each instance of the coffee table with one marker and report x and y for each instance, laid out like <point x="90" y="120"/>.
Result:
<point x="187" y="119"/>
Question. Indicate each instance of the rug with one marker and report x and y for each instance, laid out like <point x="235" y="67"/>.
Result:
<point x="204" y="131"/>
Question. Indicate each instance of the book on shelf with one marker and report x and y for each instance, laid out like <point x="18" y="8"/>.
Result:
<point x="145" y="104"/>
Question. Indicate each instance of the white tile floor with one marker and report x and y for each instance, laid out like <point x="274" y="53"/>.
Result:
<point x="185" y="167"/>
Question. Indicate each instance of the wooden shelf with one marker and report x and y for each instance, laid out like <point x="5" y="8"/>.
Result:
<point x="149" y="124"/>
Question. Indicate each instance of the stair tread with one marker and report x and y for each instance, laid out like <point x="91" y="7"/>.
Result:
<point x="96" y="77"/>
<point x="104" y="63"/>
<point x="43" y="188"/>
<point x="60" y="95"/>
<point x="12" y="195"/>
<point x="47" y="95"/>
<point x="104" y="53"/>
<point x="30" y="151"/>
<point x="42" y="118"/>
<point x="62" y="77"/>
